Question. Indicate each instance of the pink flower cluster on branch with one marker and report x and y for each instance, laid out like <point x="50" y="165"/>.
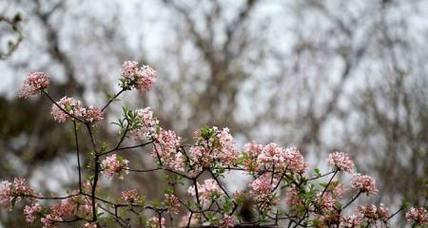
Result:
<point x="417" y="216"/>
<point x="207" y="191"/>
<point x="70" y="108"/>
<point x="135" y="76"/>
<point x="115" y="165"/>
<point x="213" y="147"/>
<point x="13" y="192"/>
<point x="34" y="83"/>
<point x="341" y="161"/>
<point x="364" y="183"/>
<point x="282" y="192"/>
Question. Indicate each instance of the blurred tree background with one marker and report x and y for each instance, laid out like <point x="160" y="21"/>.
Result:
<point x="323" y="75"/>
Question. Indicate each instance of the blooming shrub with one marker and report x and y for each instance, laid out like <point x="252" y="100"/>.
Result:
<point x="282" y="192"/>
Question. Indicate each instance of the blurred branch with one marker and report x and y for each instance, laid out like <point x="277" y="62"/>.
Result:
<point x="14" y="24"/>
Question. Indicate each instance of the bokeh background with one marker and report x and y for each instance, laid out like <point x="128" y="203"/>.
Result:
<point x="323" y="75"/>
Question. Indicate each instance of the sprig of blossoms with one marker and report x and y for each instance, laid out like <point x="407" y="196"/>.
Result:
<point x="67" y="209"/>
<point x="130" y="196"/>
<point x="262" y="189"/>
<point x="341" y="161"/>
<point x="114" y="164"/>
<point x="372" y="212"/>
<point x="290" y="158"/>
<point x="417" y="215"/>
<point x="156" y="222"/>
<point x="142" y="123"/>
<point x="31" y="212"/>
<point x="214" y="146"/>
<point x="68" y="108"/>
<point x="34" y="83"/>
<point x="135" y="76"/>
<point x="364" y="183"/>
<point x="172" y="202"/>
<point x="12" y="192"/>
<point x="207" y="191"/>
<point x="166" y="146"/>
<point x="249" y="155"/>
<point x="351" y="221"/>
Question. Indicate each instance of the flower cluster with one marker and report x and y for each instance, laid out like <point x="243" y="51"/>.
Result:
<point x="249" y="156"/>
<point x="166" y="150"/>
<point x="292" y="197"/>
<point x="143" y="124"/>
<point x="12" y="192"/>
<point x="262" y="188"/>
<point x="31" y="212"/>
<point x="341" y="161"/>
<point x="156" y="222"/>
<point x="351" y="221"/>
<point x="214" y="146"/>
<point x="417" y="215"/>
<point x="34" y="83"/>
<point x="114" y="164"/>
<point x="70" y="108"/>
<point x="130" y="196"/>
<point x="207" y="191"/>
<point x="325" y="201"/>
<point x="364" y="184"/>
<point x="135" y="76"/>
<point x="372" y="212"/>
<point x="68" y="209"/>
<point x="274" y="156"/>
<point x="173" y="203"/>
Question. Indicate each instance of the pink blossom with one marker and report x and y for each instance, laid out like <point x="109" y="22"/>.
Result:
<point x="145" y="126"/>
<point x="295" y="160"/>
<point x="372" y="212"/>
<point x="129" y="69"/>
<point x="228" y="152"/>
<point x="114" y="164"/>
<point x="364" y="183"/>
<point x="90" y="225"/>
<point x="219" y="148"/>
<point x="253" y="149"/>
<point x="35" y="82"/>
<point x="228" y="221"/>
<point x="273" y="155"/>
<point x="71" y="105"/>
<point x="130" y="196"/>
<point x="78" y="206"/>
<point x="341" y="161"/>
<point x="156" y="222"/>
<point x="338" y="190"/>
<point x="31" y="212"/>
<point x="166" y="147"/>
<point x="270" y="155"/>
<point x="352" y="221"/>
<point x="417" y="215"/>
<point x="142" y="78"/>
<point x="173" y="203"/>
<point x="6" y="193"/>
<point x="15" y="190"/>
<point x="251" y="152"/>
<point x="202" y="155"/>
<point x="326" y="200"/>
<point x="206" y="191"/>
<point x="93" y="114"/>
<point x="262" y="188"/>
<point x="146" y="78"/>
<point x="292" y="197"/>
